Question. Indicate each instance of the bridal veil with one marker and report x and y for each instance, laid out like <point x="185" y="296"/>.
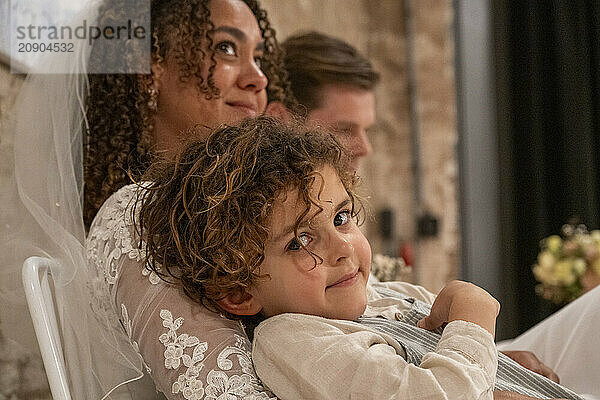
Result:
<point x="43" y="216"/>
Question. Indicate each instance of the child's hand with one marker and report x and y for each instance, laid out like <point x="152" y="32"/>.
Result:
<point x="463" y="301"/>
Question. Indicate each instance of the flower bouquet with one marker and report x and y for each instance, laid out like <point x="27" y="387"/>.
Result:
<point x="568" y="266"/>
<point x="386" y="268"/>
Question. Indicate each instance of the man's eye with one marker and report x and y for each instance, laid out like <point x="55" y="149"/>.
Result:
<point x="226" y="47"/>
<point x="341" y="218"/>
<point x="297" y="243"/>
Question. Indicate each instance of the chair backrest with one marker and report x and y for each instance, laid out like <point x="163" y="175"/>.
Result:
<point x="41" y="302"/>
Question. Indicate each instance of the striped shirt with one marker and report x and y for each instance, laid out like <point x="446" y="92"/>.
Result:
<point x="416" y="342"/>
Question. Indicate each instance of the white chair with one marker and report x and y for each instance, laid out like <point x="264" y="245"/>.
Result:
<point x="40" y="299"/>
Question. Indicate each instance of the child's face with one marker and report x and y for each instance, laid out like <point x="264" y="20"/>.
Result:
<point x="335" y="288"/>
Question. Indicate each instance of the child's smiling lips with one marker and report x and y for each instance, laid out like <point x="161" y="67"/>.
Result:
<point x="346" y="280"/>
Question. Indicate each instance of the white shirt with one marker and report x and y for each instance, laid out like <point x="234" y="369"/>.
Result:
<point x="308" y="357"/>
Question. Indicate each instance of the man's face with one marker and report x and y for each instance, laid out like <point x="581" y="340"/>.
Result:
<point x="348" y="112"/>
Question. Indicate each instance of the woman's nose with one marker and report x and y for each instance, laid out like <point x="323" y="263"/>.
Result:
<point x="252" y="77"/>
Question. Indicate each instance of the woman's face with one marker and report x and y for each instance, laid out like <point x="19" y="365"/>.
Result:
<point x="238" y="48"/>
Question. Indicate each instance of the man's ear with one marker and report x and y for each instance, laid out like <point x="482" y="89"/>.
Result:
<point x="240" y="303"/>
<point x="278" y="110"/>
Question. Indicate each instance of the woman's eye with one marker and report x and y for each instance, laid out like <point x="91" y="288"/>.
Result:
<point x="226" y="47"/>
<point x="297" y="243"/>
<point x="341" y="218"/>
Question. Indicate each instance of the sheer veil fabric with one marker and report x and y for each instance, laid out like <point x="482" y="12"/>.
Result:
<point x="43" y="216"/>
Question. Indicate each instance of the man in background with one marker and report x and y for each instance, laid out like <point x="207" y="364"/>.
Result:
<point x="335" y="87"/>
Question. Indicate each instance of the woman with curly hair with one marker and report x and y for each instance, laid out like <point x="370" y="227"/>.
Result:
<point x="212" y="62"/>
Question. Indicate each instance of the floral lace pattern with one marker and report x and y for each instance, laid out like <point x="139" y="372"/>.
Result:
<point x="219" y="385"/>
<point x="114" y="222"/>
<point x="108" y="240"/>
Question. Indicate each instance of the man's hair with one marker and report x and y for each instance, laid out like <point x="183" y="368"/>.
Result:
<point x="205" y="216"/>
<point x="313" y="60"/>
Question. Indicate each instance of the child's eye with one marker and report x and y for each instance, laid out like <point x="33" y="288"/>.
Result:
<point x="226" y="47"/>
<point x="341" y="218"/>
<point x="297" y="243"/>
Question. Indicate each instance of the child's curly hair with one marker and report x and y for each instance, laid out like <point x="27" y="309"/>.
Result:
<point x="205" y="216"/>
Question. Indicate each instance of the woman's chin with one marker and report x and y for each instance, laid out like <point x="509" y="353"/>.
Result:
<point x="239" y="113"/>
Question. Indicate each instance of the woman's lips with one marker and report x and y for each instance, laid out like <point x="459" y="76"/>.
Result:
<point x="246" y="108"/>
<point x="346" y="280"/>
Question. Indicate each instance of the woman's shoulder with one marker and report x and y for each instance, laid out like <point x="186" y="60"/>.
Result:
<point x="126" y="194"/>
<point x="120" y="204"/>
<point x="113" y="226"/>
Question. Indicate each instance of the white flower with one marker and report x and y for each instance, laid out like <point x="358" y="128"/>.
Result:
<point x="221" y="387"/>
<point x="563" y="272"/>
<point x="194" y="390"/>
<point x="579" y="266"/>
<point x="546" y="260"/>
<point x="173" y="356"/>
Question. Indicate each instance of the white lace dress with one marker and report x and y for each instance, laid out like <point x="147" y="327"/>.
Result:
<point x="190" y="352"/>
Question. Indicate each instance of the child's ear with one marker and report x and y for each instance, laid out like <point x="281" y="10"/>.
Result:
<point x="240" y="303"/>
<point x="277" y="110"/>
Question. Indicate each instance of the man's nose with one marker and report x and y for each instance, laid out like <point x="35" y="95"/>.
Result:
<point x="362" y="146"/>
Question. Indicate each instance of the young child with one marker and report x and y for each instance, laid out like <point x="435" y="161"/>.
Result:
<point x="261" y="220"/>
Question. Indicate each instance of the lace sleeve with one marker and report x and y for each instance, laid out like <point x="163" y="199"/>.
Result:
<point x="189" y="351"/>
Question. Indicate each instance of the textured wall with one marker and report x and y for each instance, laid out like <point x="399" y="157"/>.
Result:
<point x="9" y="86"/>
<point x="21" y="375"/>
<point x="377" y="29"/>
<point x="434" y="57"/>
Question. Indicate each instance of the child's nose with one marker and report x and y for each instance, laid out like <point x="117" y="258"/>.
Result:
<point x="341" y="248"/>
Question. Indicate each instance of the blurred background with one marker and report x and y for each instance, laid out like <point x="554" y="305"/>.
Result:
<point x="485" y="141"/>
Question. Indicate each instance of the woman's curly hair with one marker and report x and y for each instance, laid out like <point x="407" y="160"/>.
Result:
<point x="205" y="216"/>
<point x="119" y="131"/>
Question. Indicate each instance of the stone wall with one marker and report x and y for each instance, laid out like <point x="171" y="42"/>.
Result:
<point x="434" y="55"/>
<point x="377" y="29"/>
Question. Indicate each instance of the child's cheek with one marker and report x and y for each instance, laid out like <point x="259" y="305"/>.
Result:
<point x="362" y="249"/>
<point x="305" y="262"/>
